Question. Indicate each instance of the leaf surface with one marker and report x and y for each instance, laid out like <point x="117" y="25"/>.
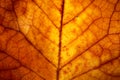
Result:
<point x="59" y="39"/>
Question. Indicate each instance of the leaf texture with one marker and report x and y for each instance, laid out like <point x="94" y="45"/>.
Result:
<point x="59" y="39"/>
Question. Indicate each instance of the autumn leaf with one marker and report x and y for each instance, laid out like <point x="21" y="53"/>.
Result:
<point x="59" y="39"/>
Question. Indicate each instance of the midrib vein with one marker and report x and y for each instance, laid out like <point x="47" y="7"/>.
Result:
<point x="60" y="40"/>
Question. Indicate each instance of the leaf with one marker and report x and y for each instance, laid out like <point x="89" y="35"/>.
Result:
<point x="59" y="40"/>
